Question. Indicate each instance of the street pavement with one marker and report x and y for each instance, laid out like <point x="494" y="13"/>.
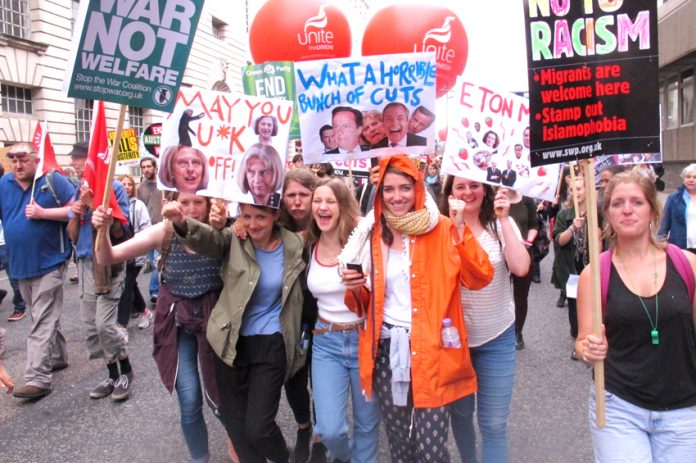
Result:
<point x="548" y="419"/>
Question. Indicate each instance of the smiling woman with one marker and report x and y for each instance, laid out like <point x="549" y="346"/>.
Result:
<point x="407" y="247"/>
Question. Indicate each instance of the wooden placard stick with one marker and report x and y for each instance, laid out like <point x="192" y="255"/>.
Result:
<point x="593" y="247"/>
<point x="112" y="169"/>
<point x="561" y="179"/>
<point x="572" y="189"/>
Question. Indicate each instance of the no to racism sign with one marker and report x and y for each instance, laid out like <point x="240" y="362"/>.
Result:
<point x="132" y="52"/>
<point x="593" y="78"/>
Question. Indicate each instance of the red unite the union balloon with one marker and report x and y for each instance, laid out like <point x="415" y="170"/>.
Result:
<point x="299" y="30"/>
<point x="420" y="28"/>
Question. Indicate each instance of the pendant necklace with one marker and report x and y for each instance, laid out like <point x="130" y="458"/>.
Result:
<point x="654" y="333"/>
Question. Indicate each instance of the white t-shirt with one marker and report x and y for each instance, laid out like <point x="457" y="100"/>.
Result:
<point x="489" y="311"/>
<point x="397" y="293"/>
<point x="325" y="284"/>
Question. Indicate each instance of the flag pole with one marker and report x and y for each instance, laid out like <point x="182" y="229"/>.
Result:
<point x="33" y="185"/>
<point x="593" y="246"/>
<point x="112" y="169"/>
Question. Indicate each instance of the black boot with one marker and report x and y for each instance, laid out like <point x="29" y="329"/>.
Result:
<point x="318" y="453"/>
<point x="561" y="300"/>
<point x="304" y="435"/>
<point x="519" y="341"/>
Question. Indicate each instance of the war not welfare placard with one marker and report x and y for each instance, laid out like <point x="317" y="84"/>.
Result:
<point x="130" y="52"/>
<point x="593" y="78"/>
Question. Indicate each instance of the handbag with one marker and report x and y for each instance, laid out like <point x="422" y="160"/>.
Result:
<point x="541" y="244"/>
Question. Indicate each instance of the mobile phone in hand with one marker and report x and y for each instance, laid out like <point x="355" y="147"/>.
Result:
<point x="357" y="267"/>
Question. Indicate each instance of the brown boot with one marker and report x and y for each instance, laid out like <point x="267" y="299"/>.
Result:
<point x="29" y="391"/>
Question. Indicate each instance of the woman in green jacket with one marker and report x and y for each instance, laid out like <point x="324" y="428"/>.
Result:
<point x="255" y="327"/>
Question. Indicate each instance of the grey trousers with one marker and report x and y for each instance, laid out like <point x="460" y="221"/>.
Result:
<point x="46" y="345"/>
<point x="98" y="313"/>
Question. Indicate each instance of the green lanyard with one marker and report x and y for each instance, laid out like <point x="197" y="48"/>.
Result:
<point x="654" y="333"/>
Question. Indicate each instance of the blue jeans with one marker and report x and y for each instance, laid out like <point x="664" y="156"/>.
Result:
<point x="638" y="435"/>
<point x="17" y="300"/>
<point x="335" y="376"/>
<point x="189" y="393"/>
<point x="494" y="363"/>
<point x="153" y="258"/>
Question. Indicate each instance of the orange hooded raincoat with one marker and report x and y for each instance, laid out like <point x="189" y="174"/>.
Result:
<point x="439" y="265"/>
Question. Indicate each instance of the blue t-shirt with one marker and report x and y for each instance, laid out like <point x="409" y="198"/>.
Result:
<point x="83" y="247"/>
<point x="262" y="313"/>
<point x="34" y="247"/>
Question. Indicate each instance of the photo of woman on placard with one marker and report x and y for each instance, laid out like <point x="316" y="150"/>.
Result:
<point x="261" y="174"/>
<point x="184" y="169"/>
<point x="266" y="127"/>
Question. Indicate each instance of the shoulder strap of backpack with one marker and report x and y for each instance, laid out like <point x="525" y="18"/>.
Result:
<point x="51" y="186"/>
<point x="604" y="274"/>
<point x="681" y="263"/>
<point x="166" y="243"/>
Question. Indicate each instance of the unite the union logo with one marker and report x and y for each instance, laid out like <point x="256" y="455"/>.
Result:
<point x="314" y="36"/>
<point x="436" y="40"/>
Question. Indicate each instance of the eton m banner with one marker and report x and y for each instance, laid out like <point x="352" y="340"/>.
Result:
<point x="132" y="52"/>
<point x="593" y="78"/>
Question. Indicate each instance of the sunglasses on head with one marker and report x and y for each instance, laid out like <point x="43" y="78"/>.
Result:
<point x="19" y="154"/>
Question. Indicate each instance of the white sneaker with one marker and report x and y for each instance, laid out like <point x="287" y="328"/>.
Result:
<point x="144" y="319"/>
<point x="123" y="331"/>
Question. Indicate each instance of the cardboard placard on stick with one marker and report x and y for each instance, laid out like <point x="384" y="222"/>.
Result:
<point x="112" y="168"/>
<point x="593" y="246"/>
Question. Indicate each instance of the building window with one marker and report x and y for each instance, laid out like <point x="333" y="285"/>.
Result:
<point x="671" y="109"/>
<point x="687" y="97"/>
<point x="16" y="99"/>
<point x="13" y="18"/>
<point x="83" y="118"/>
<point x="219" y="29"/>
<point x="136" y="119"/>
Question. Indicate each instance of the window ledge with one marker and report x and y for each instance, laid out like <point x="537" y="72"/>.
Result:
<point x="23" y="44"/>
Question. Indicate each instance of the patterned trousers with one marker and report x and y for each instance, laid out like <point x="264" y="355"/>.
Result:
<point x="416" y="435"/>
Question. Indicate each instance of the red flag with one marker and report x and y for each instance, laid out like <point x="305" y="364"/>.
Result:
<point x="97" y="165"/>
<point x="41" y="141"/>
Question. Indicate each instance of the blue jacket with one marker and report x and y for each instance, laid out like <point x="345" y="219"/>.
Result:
<point x="673" y="226"/>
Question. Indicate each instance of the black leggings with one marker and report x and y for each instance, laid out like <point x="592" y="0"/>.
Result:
<point x="131" y="298"/>
<point x="520" y="290"/>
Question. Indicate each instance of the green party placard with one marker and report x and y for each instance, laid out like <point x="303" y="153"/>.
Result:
<point x="132" y="52"/>
<point x="274" y="79"/>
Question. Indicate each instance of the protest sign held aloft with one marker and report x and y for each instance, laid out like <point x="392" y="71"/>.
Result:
<point x="593" y="78"/>
<point x="225" y="145"/>
<point x="410" y="28"/>
<point x="133" y="53"/>
<point x="488" y="141"/>
<point x="356" y="108"/>
<point x="273" y="80"/>
<point x="151" y="138"/>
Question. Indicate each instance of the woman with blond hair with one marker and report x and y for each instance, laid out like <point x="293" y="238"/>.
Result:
<point x="647" y="340"/>
<point x="261" y="174"/>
